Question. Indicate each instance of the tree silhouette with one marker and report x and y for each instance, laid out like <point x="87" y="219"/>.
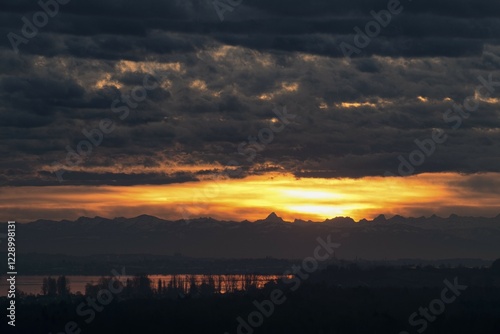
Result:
<point x="63" y="288"/>
<point x="49" y="286"/>
<point x="140" y="286"/>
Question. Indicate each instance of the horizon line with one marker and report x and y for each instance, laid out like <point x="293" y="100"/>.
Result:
<point x="380" y="217"/>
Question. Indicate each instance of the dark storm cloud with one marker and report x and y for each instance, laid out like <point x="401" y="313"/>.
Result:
<point x="220" y="82"/>
<point x="424" y="28"/>
<point x="480" y="184"/>
<point x="122" y="179"/>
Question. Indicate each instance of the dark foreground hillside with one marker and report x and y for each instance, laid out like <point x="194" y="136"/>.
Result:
<point x="343" y="300"/>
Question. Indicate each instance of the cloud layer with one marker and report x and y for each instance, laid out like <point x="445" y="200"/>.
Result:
<point x="219" y="83"/>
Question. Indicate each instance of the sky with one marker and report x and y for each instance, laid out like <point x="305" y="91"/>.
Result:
<point x="235" y="109"/>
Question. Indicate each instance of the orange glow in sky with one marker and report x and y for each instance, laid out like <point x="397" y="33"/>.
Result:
<point x="255" y="197"/>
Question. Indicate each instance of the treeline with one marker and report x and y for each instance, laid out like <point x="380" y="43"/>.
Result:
<point x="344" y="299"/>
<point x="340" y="274"/>
<point x="56" y="287"/>
<point x="179" y="286"/>
<point x="314" y="308"/>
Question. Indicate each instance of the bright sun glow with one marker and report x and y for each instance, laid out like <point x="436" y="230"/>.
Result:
<point x="254" y="198"/>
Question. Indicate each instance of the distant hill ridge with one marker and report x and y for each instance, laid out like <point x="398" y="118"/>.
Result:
<point x="378" y="239"/>
<point x="274" y="218"/>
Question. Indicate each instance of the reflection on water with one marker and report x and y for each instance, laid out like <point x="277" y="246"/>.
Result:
<point x="223" y="283"/>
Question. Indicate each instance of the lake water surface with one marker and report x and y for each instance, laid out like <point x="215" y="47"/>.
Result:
<point x="33" y="284"/>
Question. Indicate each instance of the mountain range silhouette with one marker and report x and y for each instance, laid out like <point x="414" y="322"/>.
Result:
<point x="380" y="238"/>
